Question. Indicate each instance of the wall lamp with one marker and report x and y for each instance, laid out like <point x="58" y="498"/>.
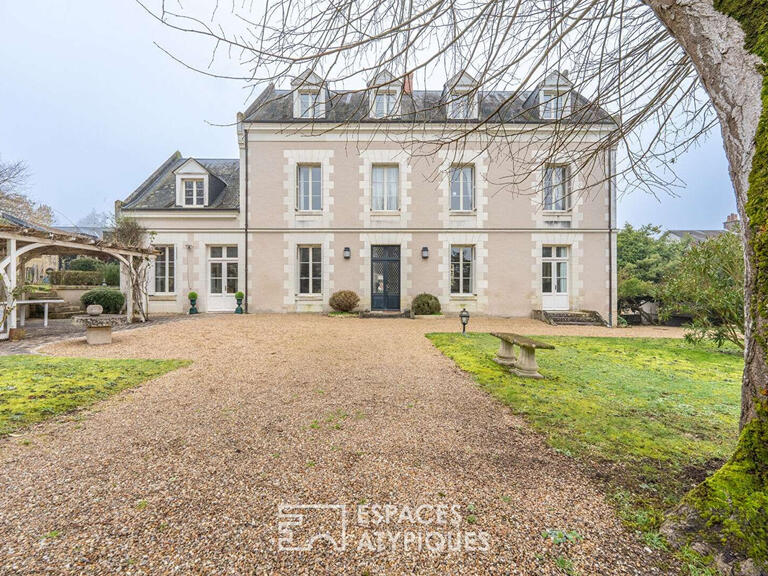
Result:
<point x="425" y="252"/>
<point x="347" y="253"/>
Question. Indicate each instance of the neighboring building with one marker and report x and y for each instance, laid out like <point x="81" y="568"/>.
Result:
<point x="315" y="204"/>
<point x="731" y="224"/>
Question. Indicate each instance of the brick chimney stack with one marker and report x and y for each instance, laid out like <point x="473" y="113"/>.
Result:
<point x="731" y="222"/>
<point x="408" y="83"/>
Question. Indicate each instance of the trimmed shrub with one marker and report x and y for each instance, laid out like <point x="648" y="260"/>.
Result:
<point x="111" y="300"/>
<point x="76" y="278"/>
<point x="344" y="300"/>
<point x="86" y="264"/>
<point x="112" y="274"/>
<point x="425" y="304"/>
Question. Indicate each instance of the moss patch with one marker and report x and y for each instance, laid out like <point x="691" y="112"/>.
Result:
<point x="33" y="388"/>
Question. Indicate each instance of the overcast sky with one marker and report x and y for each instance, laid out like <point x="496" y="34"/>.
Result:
<point x="93" y="107"/>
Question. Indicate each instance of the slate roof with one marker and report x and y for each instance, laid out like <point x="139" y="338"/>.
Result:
<point x="274" y="105"/>
<point x="158" y="192"/>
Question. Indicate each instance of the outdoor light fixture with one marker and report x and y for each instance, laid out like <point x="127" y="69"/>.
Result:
<point x="464" y="316"/>
<point x="347" y="253"/>
<point x="425" y="252"/>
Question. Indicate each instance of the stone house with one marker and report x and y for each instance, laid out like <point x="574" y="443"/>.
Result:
<point x="331" y="192"/>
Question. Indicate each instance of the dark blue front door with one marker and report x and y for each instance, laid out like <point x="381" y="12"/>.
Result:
<point x="385" y="277"/>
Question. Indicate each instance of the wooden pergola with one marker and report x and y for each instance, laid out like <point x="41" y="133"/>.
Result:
<point x="21" y="240"/>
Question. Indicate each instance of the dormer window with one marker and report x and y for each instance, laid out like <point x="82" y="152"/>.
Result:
<point x="384" y="105"/>
<point x="553" y="104"/>
<point x="194" y="192"/>
<point x="462" y="107"/>
<point x="308" y="105"/>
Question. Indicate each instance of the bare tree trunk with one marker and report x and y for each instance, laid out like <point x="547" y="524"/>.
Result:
<point x="731" y="74"/>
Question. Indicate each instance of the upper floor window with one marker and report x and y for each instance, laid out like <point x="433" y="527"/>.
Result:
<point x="194" y="192"/>
<point x="556" y="196"/>
<point x="309" y="105"/>
<point x="385" y="195"/>
<point x="462" y="188"/>
<point x="384" y="105"/>
<point x="310" y="269"/>
<point x="462" y="258"/>
<point x="309" y="195"/>
<point x="553" y="104"/>
<point x="461" y="107"/>
<point x="165" y="270"/>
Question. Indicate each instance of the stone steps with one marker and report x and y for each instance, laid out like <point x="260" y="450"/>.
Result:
<point x="568" y="318"/>
<point x="385" y="314"/>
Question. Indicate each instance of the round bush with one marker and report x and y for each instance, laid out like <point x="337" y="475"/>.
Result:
<point x="111" y="300"/>
<point x="425" y="304"/>
<point x="86" y="264"/>
<point x="344" y="300"/>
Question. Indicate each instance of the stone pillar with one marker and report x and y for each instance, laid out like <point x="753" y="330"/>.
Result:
<point x="12" y="273"/>
<point x="129" y="292"/>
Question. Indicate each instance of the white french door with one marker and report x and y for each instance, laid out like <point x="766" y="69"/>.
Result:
<point x="223" y="273"/>
<point x="554" y="278"/>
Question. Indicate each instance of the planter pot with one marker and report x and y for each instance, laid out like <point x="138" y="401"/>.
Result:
<point x="16" y="334"/>
<point x="193" y="306"/>
<point x="239" y="309"/>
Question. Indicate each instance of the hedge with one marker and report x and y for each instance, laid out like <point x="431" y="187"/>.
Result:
<point x="110" y="300"/>
<point x="76" y="278"/>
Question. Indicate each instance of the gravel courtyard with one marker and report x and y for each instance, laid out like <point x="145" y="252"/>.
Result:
<point x="185" y="473"/>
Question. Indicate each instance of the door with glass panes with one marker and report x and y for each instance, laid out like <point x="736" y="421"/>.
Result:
<point x="223" y="271"/>
<point x="554" y="278"/>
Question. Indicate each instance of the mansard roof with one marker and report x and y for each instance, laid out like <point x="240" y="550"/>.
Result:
<point x="158" y="192"/>
<point x="430" y="106"/>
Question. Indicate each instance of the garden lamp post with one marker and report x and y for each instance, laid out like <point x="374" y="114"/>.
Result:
<point x="464" y="316"/>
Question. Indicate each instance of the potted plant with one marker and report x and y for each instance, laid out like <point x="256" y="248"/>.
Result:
<point x="192" y="302"/>
<point x="239" y="297"/>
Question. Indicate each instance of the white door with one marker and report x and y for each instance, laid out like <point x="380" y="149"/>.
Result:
<point x="554" y="278"/>
<point x="222" y="278"/>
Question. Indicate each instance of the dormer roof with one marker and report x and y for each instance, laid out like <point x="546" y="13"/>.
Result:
<point x="307" y="79"/>
<point x="460" y="82"/>
<point x="384" y="79"/>
<point x="557" y="80"/>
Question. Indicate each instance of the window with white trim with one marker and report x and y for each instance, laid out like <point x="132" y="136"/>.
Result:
<point x="553" y="104"/>
<point x="461" y="107"/>
<point x="309" y="105"/>
<point x="556" y="196"/>
<point x="194" y="191"/>
<point x="310" y="269"/>
<point x="462" y="188"/>
<point x="309" y="193"/>
<point x="165" y="270"/>
<point x="385" y="179"/>
<point x="224" y="269"/>
<point x="462" y="264"/>
<point x="384" y="105"/>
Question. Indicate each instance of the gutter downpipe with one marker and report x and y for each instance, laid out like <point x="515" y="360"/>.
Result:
<point x="610" y="237"/>
<point x="247" y="296"/>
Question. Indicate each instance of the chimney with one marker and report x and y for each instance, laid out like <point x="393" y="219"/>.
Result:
<point x="731" y="222"/>
<point x="408" y="83"/>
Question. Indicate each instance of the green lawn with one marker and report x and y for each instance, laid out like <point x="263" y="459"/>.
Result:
<point x="33" y="388"/>
<point x="651" y="416"/>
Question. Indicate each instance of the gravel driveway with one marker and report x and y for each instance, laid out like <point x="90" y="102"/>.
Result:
<point x="185" y="474"/>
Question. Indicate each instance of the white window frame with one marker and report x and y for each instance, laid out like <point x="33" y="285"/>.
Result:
<point x="311" y="261"/>
<point x="309" y="104"/>
<point x="559" y="255"/>
<point x="309" y="206"/>
<point x="556" y="191"/>
<point x="460" y="168"/>
<point x="198" y="191"/>
<point x="462" y="277"/>
<point x="463" y="106"/>
<point x="383" y="185"/>
<point x="225" y="259"/>
<point x="553" y="104"/>
<point x="388" y="109"/>
<point x="165" y="269"/>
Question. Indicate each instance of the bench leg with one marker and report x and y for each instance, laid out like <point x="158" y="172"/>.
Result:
<point x="506" y="354"/>
<point x="526" y="366"/>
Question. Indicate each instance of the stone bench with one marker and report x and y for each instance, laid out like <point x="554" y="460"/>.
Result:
<point x="525" y="364"/>
<point x="98" y="329"/>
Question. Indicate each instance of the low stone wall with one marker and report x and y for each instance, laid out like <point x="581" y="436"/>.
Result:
<point x="71" y="294"/>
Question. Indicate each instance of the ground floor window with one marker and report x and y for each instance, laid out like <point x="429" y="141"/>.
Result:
<point x="554" y="269"/>
<point x="310" y="270"/>
<point x="165" y="270"/>
<point x="462" y="261"/>
<point x="223" y="269"/>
